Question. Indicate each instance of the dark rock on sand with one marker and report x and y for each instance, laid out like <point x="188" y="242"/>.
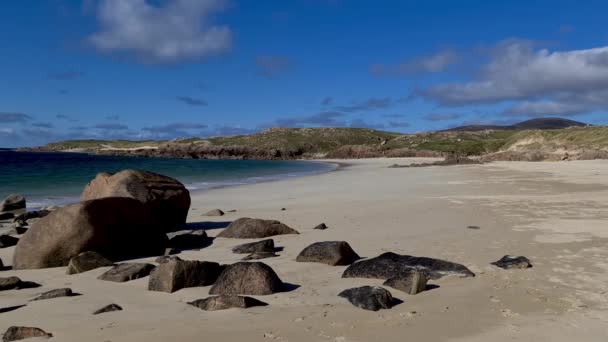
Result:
<point x="6" y="216"/>
<point x="13" y="202"/>
<point x="412" y="284"/>
<point x="391" y="265"/>
<point x="193" y="240"/>
<point x="14" y="283"/>
<point x="321" y="226"/>
<point x="166" y="198"/>
<point x="10" y="308"/>
<point x="30" y="215"/>
<point x="18" y="229"/>
<point x="252" y="247"/>
<point x="21" y="333"/>
<point x="8" y="241"/>
<point x="259" y="255"/>
<point x="87" y="261"/>
<point x="166" y="258"/>
<point x="127" y="271"/>
<point x="226" y="302"/>
<point x="510" y="262"/>
<point x="108" y="308"/>
<point x="117" y="228"/>
<point x="329" y="252"/>
<point x="248" y="228"/>
<point x="66" y="292"/>
<point x="178" y="274"/>
<point x="248" y="278"/>
<point x="214" y="212"/>
<point x="371" y="298"/>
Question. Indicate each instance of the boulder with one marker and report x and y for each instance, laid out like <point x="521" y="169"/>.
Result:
<point x="66" y="292"/>
<point x="413" y="283"/>
<point x="391" y="265"/>
<point x="8" y="241"/>
<point x="252" y="247"/>
<point x="108" y="308"/>
<point x="371" y="298"/>
<point x="30" y="215"/>
<point x="165" y="197"/>
<point x="510" y="262"/>
<point x="214" y="212"/>
<point x="13" y="202"/>
<point x="117" y="228"/>
<point x="127" y="271"/>
<point x="329" y="252"/>
<point x="87" y="261"/>
<point x="21" y="333"/>
<point x="226" y="302"/>
<point x="321" y="226"/>
<point x="259" y="255"/>
<point x="248" y="278"/>
<point x="6" y="216"/>
<point x="14" y="283"/>
<point x="193" y="240"/>
<point x="248" y="228"/>
<point x="174" y="275"/>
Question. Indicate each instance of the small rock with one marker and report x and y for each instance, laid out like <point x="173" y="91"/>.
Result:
<point x="108" y="308"/>
<point x="214" y="212"/>
<point x="12" y="202"/>
<point x="248" y="278"/>
<point x="65" y="292"/>
<point x="193" y="240"/>
<point x="473" y="227"/>
<point x="14" y="283"/>
<point x="510" y="262"/>
<point x="21" y="333"/>
<point x="248" y="228"/>
<point x="283" y="209"/>
<point x="226" y="302"/>
<point x="232" y="211"/>
<point x="178" y="274"/>
<point x="166" y="258"/>
<point x="329" y="252"/>
<point x="87" y="261"/>
<point x="412" y="284"/>
<point x="259" y="246"/>
<point x="6" y="216"/>
<point x="322" y="226"/>
<point x="127" y="271"/>
<point x="8" y="241"/>
<point x="371" y="298"/>
<point x="259" y="255"/>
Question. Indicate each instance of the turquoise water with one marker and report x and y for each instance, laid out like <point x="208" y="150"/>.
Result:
<point x="58" y="178"/>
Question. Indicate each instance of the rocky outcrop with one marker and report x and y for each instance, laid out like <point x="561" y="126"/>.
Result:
<point x="117" y="228"/>
<point x="87" y="261"/>
<point x="12" y="203"/>
<point x="391" y="265"/>
<point x="191" y="240"/>
<point x="226" y="302"/>
<point x="8" y="241"/>
<point x="214" y="212"/>
<point x="247" y="278"/>
<point x="65" y="292"/>
<point x="248" y="228"/>
<point x="108" y="308"/>
<point x="127" y="271"/>
<point x="15" y="333"/>
<point x="174" y="275"/>
<point x="371" y="298"/>
<point x="413" y="283"/>
<point x="252" y="247"/>
<point x="332" y="253"/>
<point x="166" y="198"/>
<point x="511" y="262"/>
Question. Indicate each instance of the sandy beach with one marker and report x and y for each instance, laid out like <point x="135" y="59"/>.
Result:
<point x="554" y="213"/>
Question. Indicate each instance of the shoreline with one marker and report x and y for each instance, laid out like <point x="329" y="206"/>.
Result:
<point x="553" y="213"/>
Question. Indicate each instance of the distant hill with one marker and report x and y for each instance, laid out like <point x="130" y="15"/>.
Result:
<point x="541" y="123"/>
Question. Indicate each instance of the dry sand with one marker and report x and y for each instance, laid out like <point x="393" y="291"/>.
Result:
<point x="553" y="213"/>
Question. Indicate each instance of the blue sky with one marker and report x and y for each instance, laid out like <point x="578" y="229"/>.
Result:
<point x="160" y="69"/>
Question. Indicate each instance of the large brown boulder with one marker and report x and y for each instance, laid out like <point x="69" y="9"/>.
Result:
<point x="117" y="228"/>
<point x="248" y="278"/>
<point x="328" y="252"/>
<point x="166" y="197"/>
<point x="174" y="275"/>
<point x="248" y="228"/>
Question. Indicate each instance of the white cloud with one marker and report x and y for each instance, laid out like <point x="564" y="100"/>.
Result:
<point x="435" y="63"/>
<point x="180" y="30"/>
